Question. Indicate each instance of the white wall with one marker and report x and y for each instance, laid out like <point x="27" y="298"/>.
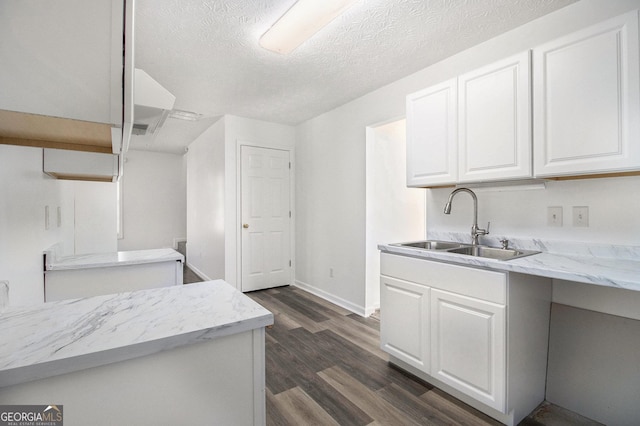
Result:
<point x="24" y="193"/>
<point x="87" y="220"/>
<point x="206" y="203"/>
<point x="213" y="192"/>
<point x="330" y="155"/>
<point x="154" y="193"/>
<point x="613" y="205"/>
<point x="95" y="224"/>
<point x="594" y="365"/>
<point x="395" y="213"/>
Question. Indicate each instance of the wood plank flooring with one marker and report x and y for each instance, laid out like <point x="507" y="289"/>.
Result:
<point x="324" y="367"/>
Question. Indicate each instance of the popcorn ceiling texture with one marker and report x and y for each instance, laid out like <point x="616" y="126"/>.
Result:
<point x="206" y="52"/>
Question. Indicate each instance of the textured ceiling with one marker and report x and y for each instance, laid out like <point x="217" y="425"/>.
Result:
<point x="206" y="53"/>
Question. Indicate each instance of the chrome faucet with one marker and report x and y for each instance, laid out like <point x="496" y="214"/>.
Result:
<point x="475" y="231"/>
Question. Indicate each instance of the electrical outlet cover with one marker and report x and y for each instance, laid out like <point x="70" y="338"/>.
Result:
<point x="581" y="216"/>
<point x="554" y="216"/>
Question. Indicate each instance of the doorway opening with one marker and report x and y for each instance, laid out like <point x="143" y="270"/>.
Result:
<point x="394" y="213"/>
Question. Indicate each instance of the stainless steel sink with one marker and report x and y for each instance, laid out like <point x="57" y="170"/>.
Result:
<point x="493" y="252"/>
<point x="468" y="250"/>
<point x="431" y="245"/>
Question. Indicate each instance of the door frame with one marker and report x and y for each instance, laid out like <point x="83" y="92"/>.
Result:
<point x="238" y="206"/>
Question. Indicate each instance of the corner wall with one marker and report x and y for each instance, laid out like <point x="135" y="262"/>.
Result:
<point x="25" y="191"/>
<point x="154" y="196"/>
<point x="213" y="167"/>
<point x="206" y="203"/>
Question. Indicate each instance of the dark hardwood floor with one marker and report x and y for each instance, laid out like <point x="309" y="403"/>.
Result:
<point x="324" y="367"/>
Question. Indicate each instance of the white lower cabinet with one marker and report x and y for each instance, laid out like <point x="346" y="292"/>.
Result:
<point x="468" y="346"/>
<point x="405" y="329"/>
<point x="478" y="334"/>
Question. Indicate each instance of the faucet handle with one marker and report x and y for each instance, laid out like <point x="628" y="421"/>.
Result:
<point x="481" y="231"/>
<point x="505" y="243"/>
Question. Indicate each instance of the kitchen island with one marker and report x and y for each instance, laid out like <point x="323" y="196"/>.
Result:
<point x="185" y="354"/>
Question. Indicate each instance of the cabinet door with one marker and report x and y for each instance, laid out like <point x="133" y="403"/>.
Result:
<point x="63" y="59"/>
<point x="468" y="346"/>
<point x="404" y="321"/>
<point x="586" y="100"/>
<point x="495" y="121"/>
<point x="431" y="136"/>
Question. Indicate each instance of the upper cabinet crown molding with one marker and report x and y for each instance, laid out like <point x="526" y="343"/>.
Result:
<point x="494" y="131"/>
<point x="587" y="100"/>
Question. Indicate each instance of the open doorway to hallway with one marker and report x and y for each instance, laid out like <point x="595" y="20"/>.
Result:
<point x="394" y="213"/>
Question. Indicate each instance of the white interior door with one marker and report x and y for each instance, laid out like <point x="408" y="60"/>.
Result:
<point x="266" y="221"/>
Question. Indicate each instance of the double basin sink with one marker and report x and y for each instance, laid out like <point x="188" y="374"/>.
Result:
<point x="469" y="250"/>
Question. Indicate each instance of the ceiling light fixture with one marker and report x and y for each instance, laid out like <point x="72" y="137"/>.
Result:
<point x="300" y="22"/>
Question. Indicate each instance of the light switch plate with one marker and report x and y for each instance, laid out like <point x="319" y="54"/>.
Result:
<point x="581" y="216"/>
<point x="46" y="218"/>
<point x="554" y="216"/>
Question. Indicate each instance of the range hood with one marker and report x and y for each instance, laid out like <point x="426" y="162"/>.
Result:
<point x="152" y="103"/>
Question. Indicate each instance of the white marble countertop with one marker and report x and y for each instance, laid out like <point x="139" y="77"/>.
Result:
<point x="102" y="260"/>
<point x="604" y="271"/>
<point x="60" y="337"/>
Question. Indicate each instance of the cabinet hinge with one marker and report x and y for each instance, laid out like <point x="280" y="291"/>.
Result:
<point x="289" y="165"/>
<point x="289" y="214"/>
<point x="289" y="263"/>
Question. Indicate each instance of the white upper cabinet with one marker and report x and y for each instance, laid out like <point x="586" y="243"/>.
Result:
<point x="494" y="131"/>
<point x="63" y="58"/>
<point x="473" y="128"/>
<point x="432" y="153"/>
<point x="587" y="101"/>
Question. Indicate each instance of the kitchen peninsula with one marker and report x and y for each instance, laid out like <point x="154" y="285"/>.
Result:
<point x="95" y="274"/>
<point x="125" y="358"/>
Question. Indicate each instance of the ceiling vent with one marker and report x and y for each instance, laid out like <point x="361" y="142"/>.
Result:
<point x="152" y="104"/>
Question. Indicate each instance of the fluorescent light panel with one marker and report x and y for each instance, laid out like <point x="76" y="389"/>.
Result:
<point x="300" y="22"/>
<point x="185" y="115"/>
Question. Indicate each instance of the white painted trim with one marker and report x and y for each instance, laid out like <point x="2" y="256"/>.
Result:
<point x="335" y="299"/>
<point x="198" y="272"/>
<point x="177" y="240"/>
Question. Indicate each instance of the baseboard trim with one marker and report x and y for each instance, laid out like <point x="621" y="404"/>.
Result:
<point x="198" y="272"/>
<point x="177" y="240"/>
<point x="333" y="299"/>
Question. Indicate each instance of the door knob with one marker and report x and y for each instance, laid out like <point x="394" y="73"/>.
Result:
<point x="245" y="225"/>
